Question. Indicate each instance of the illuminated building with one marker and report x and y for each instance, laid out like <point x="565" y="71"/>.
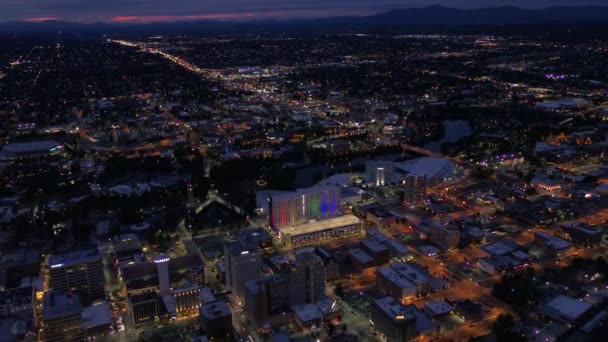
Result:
<point x="143" y="308"/>
<point x="378" y="172"/>
<point x="187" y="300"/>
<point x="80" y="272"/>
<point x="304" y="205"/>
<point x="414" y="191"/>
<point x="29" y="150"/>
<point x="241" y="264"/>
<point x="316" y="231"/>
<point x="162" y="264"/>
<point x="62" y="317"/>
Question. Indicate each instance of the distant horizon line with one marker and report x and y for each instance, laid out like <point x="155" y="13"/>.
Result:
<point x="252" y="16"/>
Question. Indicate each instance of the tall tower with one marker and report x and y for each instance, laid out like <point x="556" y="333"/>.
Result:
<point x="414" y="192"/>
<point x="162" y="266"/>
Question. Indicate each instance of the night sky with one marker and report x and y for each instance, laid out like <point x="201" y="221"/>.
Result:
<point x="170" y="10"/>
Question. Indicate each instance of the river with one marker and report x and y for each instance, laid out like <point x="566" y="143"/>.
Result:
<point x="453" y="131"/>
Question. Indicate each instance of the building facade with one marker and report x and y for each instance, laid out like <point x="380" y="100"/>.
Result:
<point x="414" y="191"/>
<point x="79" y="271"/>
<point x="304" y="205"/>
<point x="241" y="265"/>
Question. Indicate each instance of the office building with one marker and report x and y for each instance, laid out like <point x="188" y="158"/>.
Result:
<point x="414" y="190"/>
<point x="446" y="237"/>
<point x="277" y="294"/>
<point x="187" y="299"/>
<point x="242" y="265"/>
<point x="395" y="321"/>
<point x="403" y="280"/>
<point x="216" y="319"/>
<point x="265" y="297"/>
<point x="144" y="277"/>
<point x="143" y="308"/>
<point x="62" y="317"/>
<point x="80" y="272"/>
<point x="308" y="278"/>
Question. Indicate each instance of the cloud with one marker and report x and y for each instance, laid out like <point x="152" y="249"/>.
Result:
<point x="109" y="10"/>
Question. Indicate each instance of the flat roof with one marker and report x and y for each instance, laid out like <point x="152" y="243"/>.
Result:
<point x="396" y="278"/>
<point x="569" y="307"/>
<point x="412" y="271"/>
<point x="554" y="241"/>
<point x="96" y="315"/>
<point x="60" y="304"/>
<point x="31" y="146"/>
<point x="500" y="247"/>
<point x="319" y="226"/>
<point x="438" y="307"/>
<point x="373" y="245"/>
<point x="394" y="309"/>
<point x="360" y="255"/>
<point x="216" y="309"/>
<point x="308" y="312"/>
<point x="73" y="258"/>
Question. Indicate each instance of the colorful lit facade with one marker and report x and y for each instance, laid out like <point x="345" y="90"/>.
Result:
<point x="304" y="205"/>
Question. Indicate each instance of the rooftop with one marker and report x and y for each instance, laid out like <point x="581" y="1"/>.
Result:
<point x="74" y="258"/>
<point x="554" y="241"/>
<point x="394" y="309"/>
<point x="567" y="307"/>
<point x="213" y="310"/>
<point x="307" y="312"/>
<point x="60" y="304"/>
<point x="361" y="256"/>
<point x="96" y="316"/>
<point x="500" y="247"/>
<point x="319" y="226"/>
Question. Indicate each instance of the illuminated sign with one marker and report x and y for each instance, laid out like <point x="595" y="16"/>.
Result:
<point x="57" y="265"/>
<point x="244" y="252"/>
<point x="400" y="317"/>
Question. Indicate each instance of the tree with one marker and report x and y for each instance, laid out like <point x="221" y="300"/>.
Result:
<point x="503" y="329"/>
<point x="330" y="329"/>
<point x="339" y="290"/>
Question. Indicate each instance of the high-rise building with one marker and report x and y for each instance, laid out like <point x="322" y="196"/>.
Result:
<point x="79" y="271"/>
<point x="304" y="205"/>
<point x="162" y="264"/>
<point x="276" y="294"/>
<point x="62" y="317"/>
<point x="378" y="172"/>
<point x="414" y="192"/>
<point x="266" y="296"/>
<point x="310" y="273"/>
<point x="241" y="264"/>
